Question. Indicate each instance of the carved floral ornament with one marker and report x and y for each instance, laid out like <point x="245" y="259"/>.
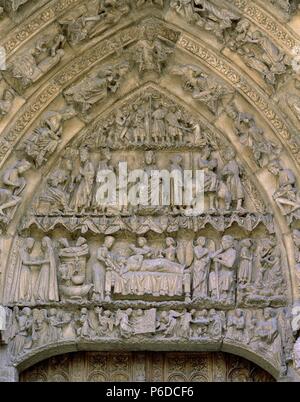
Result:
<point x="78" y="271"/>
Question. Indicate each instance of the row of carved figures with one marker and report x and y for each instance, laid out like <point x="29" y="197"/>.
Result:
<point x="264" y="331"/>
<point x="66" y="193"/>
<point x="223" y="186"/>
<point x="151" y="53"/>
<point x="59" y="270"/>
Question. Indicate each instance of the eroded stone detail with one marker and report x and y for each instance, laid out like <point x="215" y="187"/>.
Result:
<point x="206" y="15"/>
<point x="14" y="185"/>
<point x="29" y="67"/>
<point x="43" y="142"/>
<point x="33" y="329"/>
<point x="80" y="271"/>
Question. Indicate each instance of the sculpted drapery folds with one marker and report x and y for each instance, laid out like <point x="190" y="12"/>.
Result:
<point x="204" y="88"/>
<point x="15" y="183"/>
<point x="46" y="138"/>
<point x="206" y="15"/>
<point x="147" y="84"/>
<point x="259" y="52"/>
<point x="96" y="87"/>
<point x="29" y="67"/>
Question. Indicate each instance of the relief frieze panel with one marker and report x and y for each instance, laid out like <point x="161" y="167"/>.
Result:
<point x="81" y="270"/>
<point x="183" y="266"/>
<point x="260" y="331"/>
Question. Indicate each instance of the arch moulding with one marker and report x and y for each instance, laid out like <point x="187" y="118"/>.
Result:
<point x="165" y="85"/>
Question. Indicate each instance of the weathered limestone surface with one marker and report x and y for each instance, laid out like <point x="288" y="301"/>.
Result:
<point x="209" y="85"/>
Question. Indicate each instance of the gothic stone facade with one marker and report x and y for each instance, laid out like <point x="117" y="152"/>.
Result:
<point x="161" y="84"/>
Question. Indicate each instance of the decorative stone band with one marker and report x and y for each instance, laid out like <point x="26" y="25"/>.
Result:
<point x="44" y="17"/>
<point x="141" y="224"/>
<point x="280" y="33"/>
<point x="246" y="88"/>
<point x="36" y="23"/>
<point x="48" y="328"/>
<point x="65" y="77"/>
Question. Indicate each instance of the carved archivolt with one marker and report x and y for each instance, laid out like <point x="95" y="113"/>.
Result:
<point x="156" y="85"/>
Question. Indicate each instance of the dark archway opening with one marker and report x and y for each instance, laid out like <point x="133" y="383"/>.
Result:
<point x="146" y="366"/>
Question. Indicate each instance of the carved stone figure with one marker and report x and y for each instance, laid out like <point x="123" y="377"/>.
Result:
<point x="106" y="322"/>
<point x="236" y="326"/>
<point x="167" y="325"/>
<point x="217" y="322"/>
<point x="55" y="325"/>
<point x="139" y="125"/>
<point x="246" y="262"/>
<point x="175" y="132"/>
<point x="252" y="136"/>
<point x="45" y="139"/>
<point x="201" y="269"/>
<point x="150" y="119"/>
<point x="56" y="195"/>
<point x="15" y="183"/>
<point x="151" y="53"/>
<point x="82" y="196"/>
<point x="141" y="3"/>
<point x="200" y="324"/>
<point x="85" y="327"/>
<point x="146" y="273"/>
<point x="287" y="6"/>
<point x="72" y="270"/>
<point x="104" y="258"/>
<point x="21" y="290"/>
<point x="286" y="195"/>
<point x="34" y="64"/>
<point x="99" y="16"/>
<point x="96" y="87"/>
<point x="267" y="336"/>
<point x="206" y="15"/>
<point x="264" y="254"/>
<point x="294" y="104"/>
<point x="21" y="331"/>
<point x="204" y="88"/>
<point x="224" y="259"/>
<point x="296" y="238"/>
<point x="78" y="273"/>
<point x="259" y="52"/>
<point x="14" y="5"/>
<point x="6" y="100"/>
<point x="46" y="288"/>
<point x="297" y="353"/>
<point x="232" y="174"/>
<point x="40" y="327"/>
<point x="30" y="329"/>
<point x="159" y="126"/>
<point x="176" y="196"/>
<point x="215" y="188"/>
<point x="122" y="321"/>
